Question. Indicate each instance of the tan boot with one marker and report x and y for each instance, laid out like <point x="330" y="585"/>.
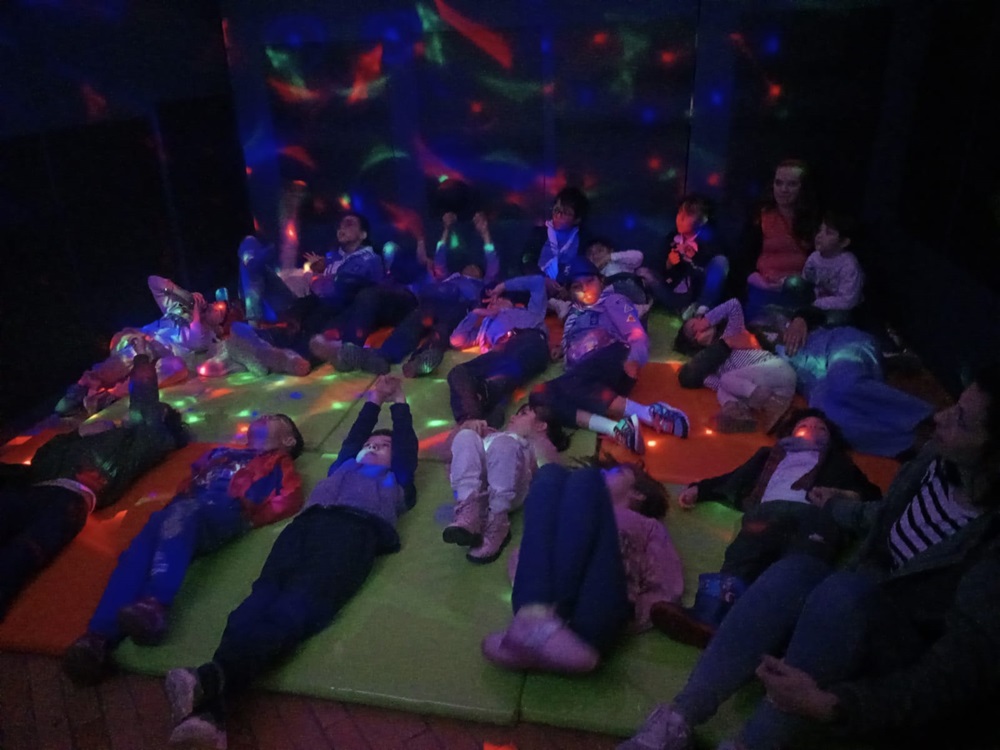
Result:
<point x="495" y="538"/>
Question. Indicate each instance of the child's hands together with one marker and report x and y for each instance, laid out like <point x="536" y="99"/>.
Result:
<point x="820" y="496"/>
<point x="387" y="388"/>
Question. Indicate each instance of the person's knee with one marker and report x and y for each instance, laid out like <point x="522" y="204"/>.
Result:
<point x="839" y="595"/>
<point x="503" y="445"/>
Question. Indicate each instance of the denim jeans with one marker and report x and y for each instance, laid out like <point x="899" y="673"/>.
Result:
<point x="821" y="621"/>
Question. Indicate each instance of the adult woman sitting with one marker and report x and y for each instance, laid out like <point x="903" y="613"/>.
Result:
<point x="781" y="239"/>
<point x="903" y="646"/>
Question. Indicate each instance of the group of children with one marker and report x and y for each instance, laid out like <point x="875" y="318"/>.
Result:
<point x="594" y="556"/>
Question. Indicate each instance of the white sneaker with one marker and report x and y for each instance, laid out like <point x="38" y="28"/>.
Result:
<point x="664" y="729"/>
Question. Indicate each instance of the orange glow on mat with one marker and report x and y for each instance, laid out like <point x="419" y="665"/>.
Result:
<point x="488" y="41"/>
<point x="19" y="440"/>
<point x="291" y="94"/>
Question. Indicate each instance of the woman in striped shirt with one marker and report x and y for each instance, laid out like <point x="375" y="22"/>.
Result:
<point x="904" y="646"/>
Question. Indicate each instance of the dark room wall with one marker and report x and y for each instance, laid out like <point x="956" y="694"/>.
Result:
<point x="147" y="137"/>
<point x="118" y="159"/>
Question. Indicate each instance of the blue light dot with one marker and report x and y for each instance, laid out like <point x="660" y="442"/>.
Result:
<point x="295" y="395"/>
<point x="392" y="34"/>
<point x="630" y="222"/>
<point x="255" y="413"/>
<point x="716" y="98"/>
<point x="648" y="115"/>
<point x="356" y="203"/>
<point x="772" y="45"/>
<point x="294" y="40"/>
<point x="546" y="44"/>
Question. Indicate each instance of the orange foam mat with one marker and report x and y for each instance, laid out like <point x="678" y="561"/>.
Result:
<point x="55" y="608"/>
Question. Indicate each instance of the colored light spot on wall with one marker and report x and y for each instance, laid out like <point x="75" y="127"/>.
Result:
<point x="654" y="163"/>
<point x="442" y="178"/>
<point x="345" y="201"/>
<point x="249" y="171"/>
<point x="773" y="91"/>
<point x="600" y="38"/>
<point x="714" y="179"/>
<point x="476" y="107"/>
<point x="366" y="71"/>
<point x="630" y="222"/>
<point x="716" y="98"/>
<point x="419" y="48"/>
<point x="648" y="115"/>
<point x="671" y="173"/>
<point x="772" y="44"/>
<point x="668" y="57"/>
<point x="290" y="231"/>
<point x="487" y="40"/>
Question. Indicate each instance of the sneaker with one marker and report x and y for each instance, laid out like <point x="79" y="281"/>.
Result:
<point x="664" y="729"/>
<point x="88" y="659"/>
<point x="678" y="624"/>
<point x="546" y="643"/>
<point x="668" y="420"/>
<point x="627" y="433"/>
<point x="325" y="349"/>
<point x="288" y="362"/>
<point x="184" y="692"/>
<point x="202" y="731"/>
<point x="497" y="650"/>
<point x="467" y="528"/>
<point x="423" y="363"/>
<point x="353" y="357"/>
<point x="144" y="621"/>
<point x="735" y="416"/>
<point x="219" y="365"/>
<point x="495" y="537"/>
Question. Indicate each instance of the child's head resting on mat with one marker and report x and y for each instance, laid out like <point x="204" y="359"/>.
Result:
<point x="275" y="432"/>
<point x="695" y="334"/>
<point x="377" y="450"/>
<point x="531" y="421"/>
<point x="585" y="282"/>
<point x="630" y="485"/>
<point x="813" y="426"/>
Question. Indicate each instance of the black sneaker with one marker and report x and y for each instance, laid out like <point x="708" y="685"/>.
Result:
<point x="423" y="363"/>
<point x="88" y="659"/>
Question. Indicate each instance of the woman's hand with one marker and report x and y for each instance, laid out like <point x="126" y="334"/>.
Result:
<point x="688" y="498"/>
<point x="795" y="335"/>
<point x="794" y="691"/>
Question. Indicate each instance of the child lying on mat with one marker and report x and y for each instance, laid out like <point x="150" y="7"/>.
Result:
<point x="490" y="473"/>
<point x="46" y="504"/>
<point x="594" y="557"/>
<point x="775" y="489"/>
<point x="318" y="562"/>
<point x="190" y="328"/>
<point x="604" y="346"/>
<point x="230" y="491"/>
<point x="746" y="377"/>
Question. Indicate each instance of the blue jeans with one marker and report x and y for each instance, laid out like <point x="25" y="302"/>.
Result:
<point x="570" y="556"/>
<point x="157" y="560"/>
<point x="820" y="619"/>
<point x="839" y="371"/>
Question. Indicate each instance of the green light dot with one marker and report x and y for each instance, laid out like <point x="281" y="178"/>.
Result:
<point x="437" y="422"/>
<point x="338" y="405"/>
<point x="443" y="178"/>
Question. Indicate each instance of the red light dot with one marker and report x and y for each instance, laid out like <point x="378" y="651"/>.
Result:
<point x="714" y="179"/>
<point x="418" y="49"/>
<point x="249" y="171"/>
<point x="476" y="107"/>
<point x="774" y="91"/>
<point x="668" y="58"/>
<point x="654" y="163"/>
<point x="601" y="37"/>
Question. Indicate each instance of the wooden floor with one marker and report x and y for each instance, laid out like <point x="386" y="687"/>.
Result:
<point x="40" y="709"/>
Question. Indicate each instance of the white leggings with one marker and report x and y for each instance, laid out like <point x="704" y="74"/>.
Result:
<point x="774" y="373"/>
<point x="500" y="465"/>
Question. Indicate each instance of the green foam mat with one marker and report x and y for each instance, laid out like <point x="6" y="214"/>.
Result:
<point x="408" y="640"/>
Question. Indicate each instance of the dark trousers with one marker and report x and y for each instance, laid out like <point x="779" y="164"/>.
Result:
<point x="482" y="386"/>
<point x="570" y="555"/>
<point x="705" y="287"/>
<point x="373" y="308"/>
<point x="427" y="327"/>
<point x="316" y="565"/>
<point x="776" y="529"/>
<point x="36" y="524"/>
<point x="590" y="385"/>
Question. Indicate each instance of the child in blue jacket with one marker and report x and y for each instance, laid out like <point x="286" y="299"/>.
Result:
<point x="317" y="564"/>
